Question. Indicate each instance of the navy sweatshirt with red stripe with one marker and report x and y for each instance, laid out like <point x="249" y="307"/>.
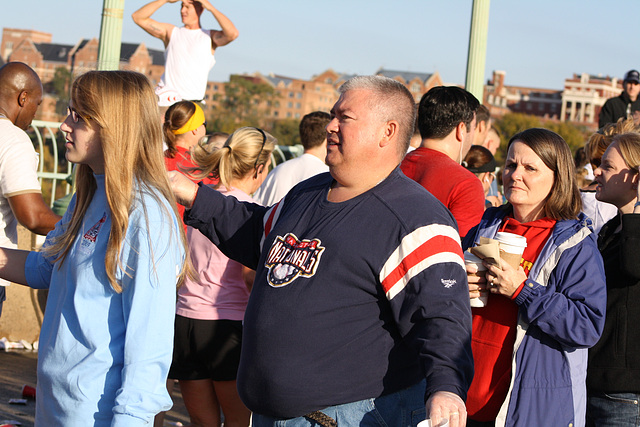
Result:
<point x="352" y="300"/>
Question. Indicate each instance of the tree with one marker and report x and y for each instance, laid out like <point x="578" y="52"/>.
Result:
<point x="59" y="86"/>
<point x="575" y="136"/>
<point x="246" y="103"/>
<point x="512" y="123"/>
<point x="285" y="130"/>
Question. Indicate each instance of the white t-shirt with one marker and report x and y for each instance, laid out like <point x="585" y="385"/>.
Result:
<point x="188" y="60"/>
<point x="286" y="175"/>
<point x="18" y="175"/>
<point x="599" y="212"/>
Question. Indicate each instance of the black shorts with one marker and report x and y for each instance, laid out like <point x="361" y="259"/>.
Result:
<point x="206" y="349"/>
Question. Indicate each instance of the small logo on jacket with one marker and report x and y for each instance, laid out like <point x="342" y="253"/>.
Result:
<point x="89" y="238"/>
<point x="290" y="257"/>
<point x="448" y="282"/>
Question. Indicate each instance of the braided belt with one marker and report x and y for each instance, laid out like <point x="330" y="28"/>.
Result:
<point x="323" y="419"/>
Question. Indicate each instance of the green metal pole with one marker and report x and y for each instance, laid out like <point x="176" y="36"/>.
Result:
<point x="477" y="48"/>
<point x="110" y="35"/>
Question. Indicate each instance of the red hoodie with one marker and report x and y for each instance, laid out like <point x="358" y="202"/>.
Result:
<point x="494" y="329"/>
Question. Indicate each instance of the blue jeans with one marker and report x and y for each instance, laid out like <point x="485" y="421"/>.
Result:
<point x="404" y="408"/>
<point x="613" y="410"/>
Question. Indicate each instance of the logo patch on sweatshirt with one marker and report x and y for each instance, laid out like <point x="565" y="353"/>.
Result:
<point x="89" y="238"/>
<point x="448" y="282"/>
<point x="290" y="257"/>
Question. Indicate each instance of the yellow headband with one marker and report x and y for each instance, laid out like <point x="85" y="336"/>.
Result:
<point x="196" y="120"/>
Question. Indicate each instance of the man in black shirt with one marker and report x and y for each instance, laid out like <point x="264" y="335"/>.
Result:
<point x="624" y="104"/>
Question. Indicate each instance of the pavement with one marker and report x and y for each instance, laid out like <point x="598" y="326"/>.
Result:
<point x="18" y="368"/>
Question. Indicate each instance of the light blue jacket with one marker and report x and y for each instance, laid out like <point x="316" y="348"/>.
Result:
<point x="104" y="356"/>
<point x="561" y="311"/>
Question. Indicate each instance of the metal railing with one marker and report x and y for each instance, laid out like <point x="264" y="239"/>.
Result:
<point x="282" y="153"/>
<point x="50" y="167"/>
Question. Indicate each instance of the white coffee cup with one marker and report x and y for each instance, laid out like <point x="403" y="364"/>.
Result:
<point x="513" y="245"/>
<point x="471" y="259"/>
<point x="427" y="423"/>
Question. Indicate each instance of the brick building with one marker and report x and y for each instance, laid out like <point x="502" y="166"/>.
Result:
<point x="297" y="97"/>
<point x="35" y="49"/>
<point x="12" y="37"/>
<point x="417" y="83"/>
<point x="502" y="99"/>
<point x="584" y="95"/>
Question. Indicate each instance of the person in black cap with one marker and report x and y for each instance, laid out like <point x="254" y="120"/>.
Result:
<point x="625" y="104"/>
<point x="481" y="163"/>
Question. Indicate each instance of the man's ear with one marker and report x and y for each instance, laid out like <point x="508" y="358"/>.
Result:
<point x="480" y="127"/>
<point x="461" y="131"/>
<point x="22" y="98"/>
<point x="391" y="129"/>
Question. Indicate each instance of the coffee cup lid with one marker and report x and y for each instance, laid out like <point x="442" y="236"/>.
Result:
<point x="511" y="239"/>
<point x="469" y="257"/>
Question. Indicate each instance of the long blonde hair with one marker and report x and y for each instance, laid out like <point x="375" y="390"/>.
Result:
<point x="124" y="107"/>
<point x="246" y="149"/>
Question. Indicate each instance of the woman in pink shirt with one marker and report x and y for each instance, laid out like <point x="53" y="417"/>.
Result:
<point x="208" y="331"/>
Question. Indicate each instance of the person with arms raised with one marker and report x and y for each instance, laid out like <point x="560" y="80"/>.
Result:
<point x="189" y="54"/>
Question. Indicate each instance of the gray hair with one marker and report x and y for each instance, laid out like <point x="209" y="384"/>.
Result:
<point x="391" y="101"/>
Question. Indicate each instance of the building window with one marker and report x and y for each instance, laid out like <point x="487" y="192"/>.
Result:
<point x="415" y="87"/>
<point x="297" y="115"/>
<point x="289" y="104"/>
<point x="289" y="115"/>
<point x="275" y="113"/>
<point x="299" y="94"/>
<point x="290" y="94"/>
<point x="298" y="105"/>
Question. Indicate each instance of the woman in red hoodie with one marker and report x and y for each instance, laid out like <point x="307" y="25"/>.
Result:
<point x="530" y="341"/>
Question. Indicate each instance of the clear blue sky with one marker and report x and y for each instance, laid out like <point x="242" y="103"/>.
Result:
<point x="538" y="43"/>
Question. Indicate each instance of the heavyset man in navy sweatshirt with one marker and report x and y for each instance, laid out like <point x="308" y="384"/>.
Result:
<point x="360" y="308"/>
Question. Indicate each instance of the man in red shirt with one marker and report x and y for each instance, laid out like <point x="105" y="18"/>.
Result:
<point x="447" y="123"/>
